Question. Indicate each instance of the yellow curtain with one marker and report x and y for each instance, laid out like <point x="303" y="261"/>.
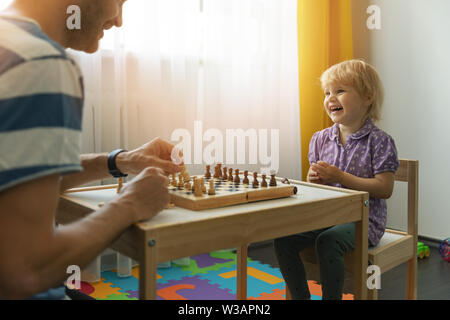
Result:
<point x="324" y="39"/>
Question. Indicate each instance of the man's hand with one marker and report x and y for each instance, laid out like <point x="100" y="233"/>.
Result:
<point x="155" y="153"/>
<point x="147" y="194"/>
<point x="327" y="173"/>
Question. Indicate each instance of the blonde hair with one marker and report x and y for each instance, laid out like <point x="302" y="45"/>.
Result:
<point x="362" y="77"/>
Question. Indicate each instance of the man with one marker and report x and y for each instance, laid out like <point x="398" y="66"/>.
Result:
<point x="41" y="97"/>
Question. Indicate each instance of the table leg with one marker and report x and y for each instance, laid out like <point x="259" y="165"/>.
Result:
<point x="361" y="252"/>
<point x="148" y="268"/>
<point x="241" y="262"/>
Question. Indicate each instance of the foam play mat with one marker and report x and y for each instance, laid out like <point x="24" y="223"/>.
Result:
<point x="209" y="276"/>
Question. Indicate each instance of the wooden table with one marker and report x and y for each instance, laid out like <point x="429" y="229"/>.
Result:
<point x="176" y="232"/>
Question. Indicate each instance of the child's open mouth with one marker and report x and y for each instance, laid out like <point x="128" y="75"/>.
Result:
<point x="336" y="109"/>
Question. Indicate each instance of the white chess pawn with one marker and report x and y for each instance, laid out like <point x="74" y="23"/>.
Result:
<point x="198" y="188"/>
<point x="211" y="190"/>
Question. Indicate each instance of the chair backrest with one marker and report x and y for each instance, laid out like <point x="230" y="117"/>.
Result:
<point x="408" y="171"/>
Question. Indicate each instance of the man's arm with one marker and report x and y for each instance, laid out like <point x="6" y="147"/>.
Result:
<point x="156" y="153"/>
<point x="95" y="168"/>
<point x="35" y="255"/>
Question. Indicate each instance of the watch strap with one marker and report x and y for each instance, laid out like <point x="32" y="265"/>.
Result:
<point x="112" y="167"/>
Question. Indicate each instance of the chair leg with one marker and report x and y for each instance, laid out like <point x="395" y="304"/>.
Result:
<point x="288" y="294"/>
<point x="411" y="279"/>
<point x="372" y="294"/>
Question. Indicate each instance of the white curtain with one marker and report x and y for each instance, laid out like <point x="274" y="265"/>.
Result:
<point x="197" y="72"/>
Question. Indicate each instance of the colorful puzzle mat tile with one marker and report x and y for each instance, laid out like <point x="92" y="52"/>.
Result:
<point x="210" y="276"/>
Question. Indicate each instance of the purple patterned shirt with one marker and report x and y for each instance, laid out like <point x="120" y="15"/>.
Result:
<point x="366" y="153"/>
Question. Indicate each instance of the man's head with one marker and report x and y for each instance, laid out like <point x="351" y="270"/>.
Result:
<point x="96" y="16"/>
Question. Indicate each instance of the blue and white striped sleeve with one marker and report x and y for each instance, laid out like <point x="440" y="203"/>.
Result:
<point x="40" y="117"/>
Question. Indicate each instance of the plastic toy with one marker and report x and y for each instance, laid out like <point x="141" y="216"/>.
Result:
<point x="444" y="249"/>
<point x="423" y="251"/>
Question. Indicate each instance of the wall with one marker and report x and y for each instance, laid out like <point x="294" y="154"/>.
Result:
<point x="411" y="52"/>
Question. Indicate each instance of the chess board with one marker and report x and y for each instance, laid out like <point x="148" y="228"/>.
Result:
<point x="228" y="193"/>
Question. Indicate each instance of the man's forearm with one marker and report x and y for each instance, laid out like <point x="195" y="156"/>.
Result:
<point x="80" y="242"/>
<point x="95" y="167"/>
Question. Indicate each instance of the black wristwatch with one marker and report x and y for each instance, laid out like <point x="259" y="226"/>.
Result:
<point x="113" y="170"/>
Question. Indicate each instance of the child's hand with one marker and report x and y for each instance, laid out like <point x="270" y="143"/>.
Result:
<point x="326" y="172"/>
<point x="313" y="177"/>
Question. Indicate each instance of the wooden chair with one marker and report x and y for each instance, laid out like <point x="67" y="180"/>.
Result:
<point x="395" y="247"/>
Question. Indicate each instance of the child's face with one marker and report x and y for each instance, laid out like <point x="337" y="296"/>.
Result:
<point x="344" y="105"/>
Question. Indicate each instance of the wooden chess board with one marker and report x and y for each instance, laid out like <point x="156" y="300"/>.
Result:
<point x="228" y="193"/>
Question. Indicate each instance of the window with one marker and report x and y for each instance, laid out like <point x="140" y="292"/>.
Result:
<point x="4" y="4"/>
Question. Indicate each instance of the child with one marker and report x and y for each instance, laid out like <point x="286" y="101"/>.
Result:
<point x="354" y="154"/>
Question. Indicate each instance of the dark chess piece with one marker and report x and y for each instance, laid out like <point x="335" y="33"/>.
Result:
<point x="230" y="174"/>
<point x="273" y="181"/>
<point x="216" y="172"/>
<point x="224" y="176"/>
<point x="208" y="172"/>
<point x="264" y="182"/>
<point x="255" y="180"/>
<point x="245" y="181"/>
<point x="237" y="180"/>
<point x="219" y="169"/>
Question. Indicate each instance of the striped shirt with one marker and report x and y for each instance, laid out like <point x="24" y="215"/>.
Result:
<point x="41" y="100"/>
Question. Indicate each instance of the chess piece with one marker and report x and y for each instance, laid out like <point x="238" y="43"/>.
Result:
<point x="230" y="174"/>
<point x="264" y="182"/>
<point x="211" y="190"/>
<point x="186" y="176"/>
<point x="198" y="188"/>
<point x="180" y="181"/>
<point x="237" y="180"/>
<point x="255" y="180"/>
<point x="208" y="172"/>
<point x="225" y="176"/>
<point x="216" y="172"/>
<point x="273" y="181"/>
<point x="119" y="185"/>
<point x="188" y="185"/>
<point x="245" y="181"/>
<point x="174" y="180"/>
<point x="285" y="181"/>
<point x="203" y="184"/>
<point x="193" y="183"/>
<point x="219" y="170"/>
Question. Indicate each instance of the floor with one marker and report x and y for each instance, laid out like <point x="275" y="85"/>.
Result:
<point x="433" y="274"/>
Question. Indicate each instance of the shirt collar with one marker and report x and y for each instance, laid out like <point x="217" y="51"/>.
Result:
<point x="365" y="130"/>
